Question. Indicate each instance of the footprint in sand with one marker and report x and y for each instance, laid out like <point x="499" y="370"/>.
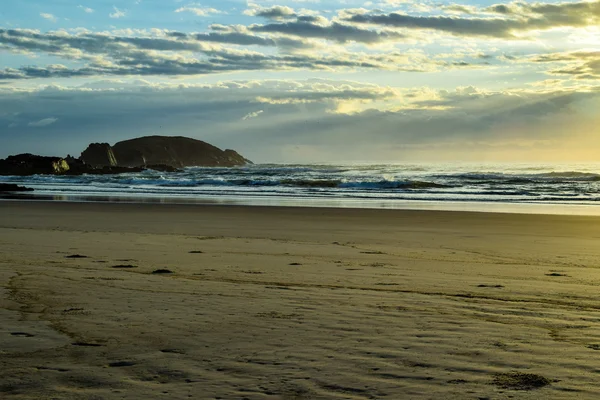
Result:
<point x="162" y="271"/>
<point x="76" y="256"/>
<point x="85" y="344"/>
<point x="119" y="364"/>
<point x="22" y="334"/>
<point x="519" y="381"/>
<point x="172" y="351"/>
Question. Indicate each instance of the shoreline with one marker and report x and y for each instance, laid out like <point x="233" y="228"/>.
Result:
<point x="204" y="207"/>
<point x="369" y="204"/>
<point x="569" y="189"/>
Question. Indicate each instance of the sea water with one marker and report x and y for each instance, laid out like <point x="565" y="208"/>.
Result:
<point x="564" y="188"/>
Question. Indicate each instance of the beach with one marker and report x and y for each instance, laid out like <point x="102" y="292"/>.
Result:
<point x="124" y="301"/>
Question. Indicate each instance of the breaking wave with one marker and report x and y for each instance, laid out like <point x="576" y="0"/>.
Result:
<point x="423" y="182"/>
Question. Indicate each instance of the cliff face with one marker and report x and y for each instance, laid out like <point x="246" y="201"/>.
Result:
<point x="99" y="155"/>
<point x="171" y="151"/>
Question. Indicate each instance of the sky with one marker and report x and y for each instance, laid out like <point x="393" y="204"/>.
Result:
<point x="306" y="81"/>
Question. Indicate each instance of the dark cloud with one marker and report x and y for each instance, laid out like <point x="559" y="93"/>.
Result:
<point x="459" y="8"/>
<point x="517" y="18"/>
<point x="559" y="57"/>
<point x="276" y="13"/>
<point x="182" y="54"/>
<point x="143" y="63"/>
<point x="309" y="18"/>
<point x="335" y="32"/>
<point x="10" y="74"/>
<point x="110" y="112"/>
<point x="579" y="64"/>
<point x="567" y="13"/>
<point x="500" y="9"/>
<point x="101" y="43"/>
<point x="293" y="113"/>
<point x="242" y="39"/>
<point x="589" y="70"/>
<point x="457" y="26"/>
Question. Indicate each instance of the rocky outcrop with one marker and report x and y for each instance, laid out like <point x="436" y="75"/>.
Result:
<point x="11" y="187"/>
<point x="29" y="164"/>
<point x="169" y="151"/>
<point x="235" y="158"/>
<point x="160" y="153"/>
<point x="99" y="155"/>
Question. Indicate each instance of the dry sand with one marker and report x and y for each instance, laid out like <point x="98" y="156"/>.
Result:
<point x="295" y="303"/>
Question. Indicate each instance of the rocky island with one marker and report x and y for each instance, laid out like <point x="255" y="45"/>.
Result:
<point x="173" y="151"/>
<point x="165" y="153"/>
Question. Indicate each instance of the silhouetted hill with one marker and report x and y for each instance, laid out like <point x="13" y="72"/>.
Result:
<point x="174" y="151"/>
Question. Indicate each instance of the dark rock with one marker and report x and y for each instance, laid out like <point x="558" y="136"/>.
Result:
<point x="158" y="152"/>
<point x="10" y="187"/>
<point x="99" y="155"/>
<point x="235" y="158"/>
<point x="30" y="164"/>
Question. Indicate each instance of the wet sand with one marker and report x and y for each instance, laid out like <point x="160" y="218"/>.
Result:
<point x="295" y="303"/>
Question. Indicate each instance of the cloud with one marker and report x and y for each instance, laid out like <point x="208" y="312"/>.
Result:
<point x="516" y="18"/>
<point x="253" y="114"/>
<point x="118" y="13"/>
<point x="49" y="17"/>
<point x="275" y="13"/>
<point x="200" y="12"/>
<point x="459" y="9"/>
<point x="86" y="9"/>
<point x="180" y="54"/>
<point x="110" y="109"/>
<point x="335" y="32"/>
<point x="411" y="123"/>
<point x="78" y="45"/>
<point x="148" y="63"/>
<point x="327" y="92"/>
<point x="579" y="64"/>
<point x="42" y="122"/>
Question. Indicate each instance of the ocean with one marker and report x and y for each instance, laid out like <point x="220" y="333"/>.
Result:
<point x="537" y="188"/>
